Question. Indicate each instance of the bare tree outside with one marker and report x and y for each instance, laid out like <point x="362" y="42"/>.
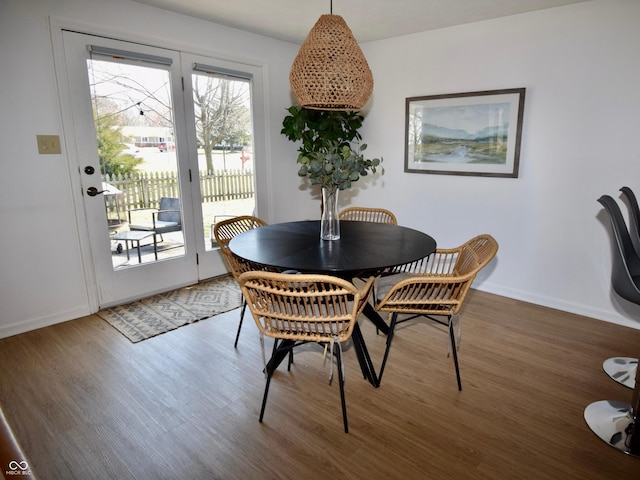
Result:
<point x="139" y="101"/>
<point x="222" y="105"/>
<point x="221" y="114"/>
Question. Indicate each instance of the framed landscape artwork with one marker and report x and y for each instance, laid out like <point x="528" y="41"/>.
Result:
<point x="474" y="133"/>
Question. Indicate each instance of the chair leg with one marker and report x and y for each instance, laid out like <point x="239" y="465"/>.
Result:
<point x="454" y="349"/>
<point x="341" y="382"/>
<point x="374" y="299"/>
<point x="264" y="397"/>
<point x="243" y="308"/>
<point x="290" y="362"/>
<point x="266" y="388"/>
<point x="392" y="326"/>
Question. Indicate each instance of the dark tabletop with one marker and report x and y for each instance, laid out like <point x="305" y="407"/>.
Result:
<point x="364" y="248"/>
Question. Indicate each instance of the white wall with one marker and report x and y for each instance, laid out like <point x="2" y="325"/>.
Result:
<point x="41" y="279"/>
<point x="580" y="65"/>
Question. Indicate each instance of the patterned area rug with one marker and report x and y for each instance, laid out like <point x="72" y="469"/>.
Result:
<point x="162" y="313"/>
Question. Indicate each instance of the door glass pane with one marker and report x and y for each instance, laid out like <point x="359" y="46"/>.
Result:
<point x="134" y="124"/>
<point x="224" y="138"/>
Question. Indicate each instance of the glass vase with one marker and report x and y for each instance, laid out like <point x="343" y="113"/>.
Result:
<point x="329" y="223"/>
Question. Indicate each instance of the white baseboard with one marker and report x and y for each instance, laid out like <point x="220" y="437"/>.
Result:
<point x="41" y="322"/>
<point x="555" y="303"/>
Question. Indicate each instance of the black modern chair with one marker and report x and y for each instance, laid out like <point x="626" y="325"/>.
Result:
<point x="618" y="423"/>
<point x="623" y="369"/>
<point x="634" y="217"/>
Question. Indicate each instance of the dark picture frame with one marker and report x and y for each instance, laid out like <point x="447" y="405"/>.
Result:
<point x="472" y="133"/>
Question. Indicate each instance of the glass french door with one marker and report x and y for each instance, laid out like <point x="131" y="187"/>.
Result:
<point x="148" y="161"/>
<point x="138" y="160"/>
<point x="222" y="134"/>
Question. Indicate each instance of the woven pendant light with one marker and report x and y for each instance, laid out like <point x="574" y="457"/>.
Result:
<point x="330" y="71"/>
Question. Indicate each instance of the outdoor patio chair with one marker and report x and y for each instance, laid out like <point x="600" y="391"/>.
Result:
<point x="168" y="218"/>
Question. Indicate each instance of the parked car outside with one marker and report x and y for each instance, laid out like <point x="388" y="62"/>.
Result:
<point x="164" y="146"/>
<point x="132" y="150"/>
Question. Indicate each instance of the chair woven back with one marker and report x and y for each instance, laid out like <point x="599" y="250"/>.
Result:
<point x="224" y="232"/>
<point x="439" y="284"/>
<point x="475" y="254"/>
<point x="366" y="214"/>
<point x="303" y="307"/>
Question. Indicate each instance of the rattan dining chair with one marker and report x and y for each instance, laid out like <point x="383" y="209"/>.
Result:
<point x="435" y="286"/>
<point x="367" y="214"/>
<point x="294" y="309"/>
<point x="224" y="231"/>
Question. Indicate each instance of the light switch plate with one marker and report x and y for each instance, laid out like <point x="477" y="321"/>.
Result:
<point x="48" y="144"/>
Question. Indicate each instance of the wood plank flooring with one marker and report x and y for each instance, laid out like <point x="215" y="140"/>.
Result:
<point x="85" y="403"/>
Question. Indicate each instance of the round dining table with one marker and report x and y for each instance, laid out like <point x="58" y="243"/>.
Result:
<point x="364" y="249"/>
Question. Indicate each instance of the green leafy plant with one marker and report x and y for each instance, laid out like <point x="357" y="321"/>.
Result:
<point x="331" y="153"/>
<point x="111" y="144"/>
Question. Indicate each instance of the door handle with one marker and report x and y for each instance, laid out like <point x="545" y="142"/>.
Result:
<point x="93" y="191"/>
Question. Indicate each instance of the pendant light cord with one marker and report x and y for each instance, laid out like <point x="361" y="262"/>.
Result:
<point x="331" y="7"/>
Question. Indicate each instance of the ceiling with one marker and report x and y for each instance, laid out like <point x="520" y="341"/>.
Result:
<point x="291" y="20"/>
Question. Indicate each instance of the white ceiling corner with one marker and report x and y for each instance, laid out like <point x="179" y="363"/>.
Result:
<point x="369" y="20"/>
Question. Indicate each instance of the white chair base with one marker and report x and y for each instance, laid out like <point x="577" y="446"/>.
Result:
<point x="615" y="424"/>
<point x="622" y="370"/>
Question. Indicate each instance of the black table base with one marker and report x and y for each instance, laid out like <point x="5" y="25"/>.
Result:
<point x="364" y="249"/>
<point x="362" y="353"/>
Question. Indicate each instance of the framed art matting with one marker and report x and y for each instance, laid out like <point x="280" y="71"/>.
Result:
<point x="473" y="133"/>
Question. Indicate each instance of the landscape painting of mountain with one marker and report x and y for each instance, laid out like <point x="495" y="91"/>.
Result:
<point x="480" y="137"/>
<point x="476" y="133"/>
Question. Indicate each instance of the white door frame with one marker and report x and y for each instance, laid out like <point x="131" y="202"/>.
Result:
<point x="116" y="286"/>
<point x="212" y="262"/>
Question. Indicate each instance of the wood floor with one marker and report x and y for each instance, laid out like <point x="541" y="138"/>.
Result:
<point x="85" y="403"/>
